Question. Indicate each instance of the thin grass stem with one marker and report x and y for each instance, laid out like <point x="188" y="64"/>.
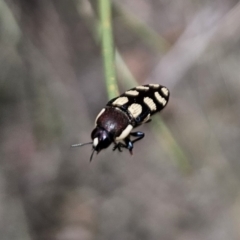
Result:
<point x="108" y="47"/>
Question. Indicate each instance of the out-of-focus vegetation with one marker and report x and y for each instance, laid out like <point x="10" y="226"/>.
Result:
<point x="51" y="88"/>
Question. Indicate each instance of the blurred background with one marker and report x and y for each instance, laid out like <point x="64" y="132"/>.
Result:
<point x="182" y="183"/>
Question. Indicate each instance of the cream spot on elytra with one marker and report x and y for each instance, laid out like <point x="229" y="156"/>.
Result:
<point x="142" y="88"/>
<point x="132" y="93"/>
<point x="153" y="85"/>
<point x="120" y="101"/>
<point x="150" y="103"/>
<point x="160" y="98"/>
<point x="135" y="109"/>
<point x="146" y="118"/>
<point x="164" y="91"/>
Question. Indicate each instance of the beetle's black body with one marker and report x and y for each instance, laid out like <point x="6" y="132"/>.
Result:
<point x="124" y="113"/>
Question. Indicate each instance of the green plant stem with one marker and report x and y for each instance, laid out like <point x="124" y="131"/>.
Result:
<point x="170" y="144"/>
<point x="108" y="47"/>
<point x="150" y="37"/>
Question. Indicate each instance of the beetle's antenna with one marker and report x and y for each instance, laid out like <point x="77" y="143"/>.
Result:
<point x="92" y="155"/>
<point x="80" y="144"/>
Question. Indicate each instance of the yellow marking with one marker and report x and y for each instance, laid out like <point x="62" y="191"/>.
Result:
<point x="154" y="85"/>
<point x="160" y="98"/>
<point x="150" y="103"/>
<point x="120" y="101"/>
<point x="102" y="111"/>
<point x="164" y="91"/>
<point x="146" y="118"/>
<point x="132" y="93"/>
<point x="142" y="88"/>
<point x="125" y="133"/>
<point x="95" y="142"/>
<point x="135" y="109"/>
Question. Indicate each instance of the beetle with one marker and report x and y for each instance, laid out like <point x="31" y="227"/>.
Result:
<point x="115" y="122"/>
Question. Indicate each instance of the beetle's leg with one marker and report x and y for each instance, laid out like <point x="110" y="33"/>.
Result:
<point x="128" y="142"/>
<point x="129" y="145"/>
<point x="138" y="135"/>
<point x="118" y="146"/>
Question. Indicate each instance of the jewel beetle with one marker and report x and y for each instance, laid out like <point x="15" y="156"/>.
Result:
<point x="115" y="122"/>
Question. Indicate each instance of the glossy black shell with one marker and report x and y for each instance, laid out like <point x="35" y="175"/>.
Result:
<point x="149" y="91"/>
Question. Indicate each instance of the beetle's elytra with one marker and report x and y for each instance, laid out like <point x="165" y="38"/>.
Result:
<point x="115" y="122"/>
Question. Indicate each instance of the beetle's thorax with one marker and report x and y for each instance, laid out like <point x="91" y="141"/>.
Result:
<point x="113" y="120"/>
<point x="112" y="125"/>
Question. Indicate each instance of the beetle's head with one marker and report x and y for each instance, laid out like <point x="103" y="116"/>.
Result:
<point x="101" y="139"/>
